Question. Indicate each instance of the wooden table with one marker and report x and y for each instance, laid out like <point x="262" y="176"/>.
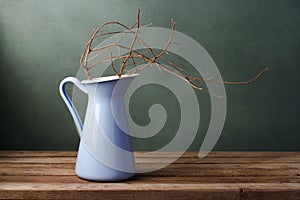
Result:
<point x="220" y="175"/>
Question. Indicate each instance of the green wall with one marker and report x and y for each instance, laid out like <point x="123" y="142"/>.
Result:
<point x="41" y="42"/>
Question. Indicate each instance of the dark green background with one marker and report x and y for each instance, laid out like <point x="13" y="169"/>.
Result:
<point x="41" y="42"/>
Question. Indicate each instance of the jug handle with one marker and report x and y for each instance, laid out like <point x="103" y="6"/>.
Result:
<point x="68" y="101"/>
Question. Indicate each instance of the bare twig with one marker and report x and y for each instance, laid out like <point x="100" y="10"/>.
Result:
<point x="112" y="63"/>
<point x="134" y="58"/>
<point x="132" y="44"/>
<point x="247" y="82"/>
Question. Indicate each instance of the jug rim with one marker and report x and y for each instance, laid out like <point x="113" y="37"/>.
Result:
<point x="108" y="78"/>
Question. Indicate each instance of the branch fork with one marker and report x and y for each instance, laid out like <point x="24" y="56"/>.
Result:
<point x="134" y="57"/>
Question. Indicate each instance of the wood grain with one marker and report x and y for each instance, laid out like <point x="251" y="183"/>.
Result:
<point x="220" y="175"/>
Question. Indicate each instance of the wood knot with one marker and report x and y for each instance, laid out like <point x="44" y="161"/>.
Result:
<point x="242" y="194"/>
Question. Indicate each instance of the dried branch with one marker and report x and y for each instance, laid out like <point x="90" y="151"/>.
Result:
<point x="132" y="44"/>
<point x="247" y="82"/>
<point x="134" y="58"/>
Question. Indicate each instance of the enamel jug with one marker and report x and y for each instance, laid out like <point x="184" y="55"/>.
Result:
<point x="105" y="152"/>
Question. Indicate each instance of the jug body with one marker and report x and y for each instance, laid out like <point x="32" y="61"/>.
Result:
<point x="105" y="152"/>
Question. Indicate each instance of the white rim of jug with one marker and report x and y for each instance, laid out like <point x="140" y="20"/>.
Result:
<point x="108" y="78"/>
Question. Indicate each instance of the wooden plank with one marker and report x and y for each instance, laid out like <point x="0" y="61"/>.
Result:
<point x="171" y="170"/>
<point x="237" y="193"/>
<point x="38" y="160"/>
<point x="132" y="186"/>
<point x="54" y="179"/>
<point x="37" y="153"/>
<point x="149" y="191"/>
<point x="192" y="154"/>
<point x="211" y="161"/>
<point x="220" y="175"/>
<point x="183" y="160"/>
<point x="37" y="169"/>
